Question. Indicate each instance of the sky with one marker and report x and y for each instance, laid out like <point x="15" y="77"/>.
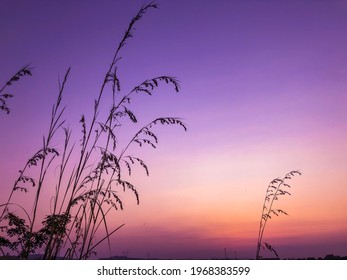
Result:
<point x="263" y="92"/>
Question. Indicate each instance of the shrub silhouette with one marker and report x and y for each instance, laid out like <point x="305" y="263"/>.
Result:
<point x="86" y="194"/>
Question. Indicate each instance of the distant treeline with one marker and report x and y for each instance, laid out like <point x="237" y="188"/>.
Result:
<point x="327" y="257"/>
<point x="39" y="257"/>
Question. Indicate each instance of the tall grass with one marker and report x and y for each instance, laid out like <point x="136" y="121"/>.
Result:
<point x="277" y="188"/>
<point x="86" y="193"/>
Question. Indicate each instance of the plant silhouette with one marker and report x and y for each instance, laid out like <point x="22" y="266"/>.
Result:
<point x="4" y="97"/>
<point x="86" y="193"/>
<point x="277" y="187"/>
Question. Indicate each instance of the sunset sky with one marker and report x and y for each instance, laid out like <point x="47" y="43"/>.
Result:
<point x="263" y="92"/>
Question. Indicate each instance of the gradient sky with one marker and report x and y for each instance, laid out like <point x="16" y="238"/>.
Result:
<point x="264" y="92"/>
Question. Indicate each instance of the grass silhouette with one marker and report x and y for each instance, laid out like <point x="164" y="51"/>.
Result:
<point x="277" y="188"/>
<point x="86" y="193"/>
<point x="4" y="97"/>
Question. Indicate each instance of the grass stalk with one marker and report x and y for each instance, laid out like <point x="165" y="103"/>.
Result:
<point x="277" y="188"/>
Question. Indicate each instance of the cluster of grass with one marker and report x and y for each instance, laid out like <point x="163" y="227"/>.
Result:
<point x="85" y="193"/>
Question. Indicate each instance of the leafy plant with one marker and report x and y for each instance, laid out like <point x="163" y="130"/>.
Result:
<point x="277" y="188"/>
<point x="86" y="193"/>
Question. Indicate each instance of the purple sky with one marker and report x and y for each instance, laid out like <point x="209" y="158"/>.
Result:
<point x="264" y="92"/>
